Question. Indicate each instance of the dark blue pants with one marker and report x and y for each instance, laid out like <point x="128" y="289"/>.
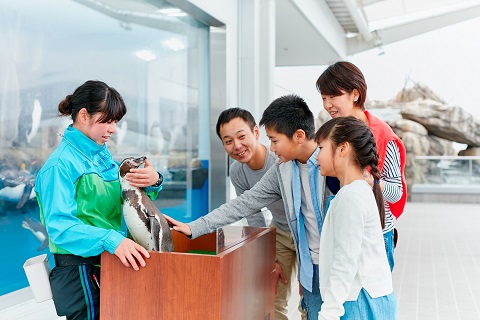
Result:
<point x="76" y="294"/>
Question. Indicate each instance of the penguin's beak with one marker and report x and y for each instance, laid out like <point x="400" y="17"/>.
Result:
<point x="140" y="160"/>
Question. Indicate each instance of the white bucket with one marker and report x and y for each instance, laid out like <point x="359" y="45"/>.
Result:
<point x="37" y="270"/>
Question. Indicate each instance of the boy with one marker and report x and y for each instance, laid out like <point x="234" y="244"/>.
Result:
<point x="295" y="178"/>
<point x="239" y="134"/>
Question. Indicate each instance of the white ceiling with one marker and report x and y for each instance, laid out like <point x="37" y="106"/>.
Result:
<point x="312" y="32"/>
<point x="320" y="32"/>
<point x="385" y="9"/>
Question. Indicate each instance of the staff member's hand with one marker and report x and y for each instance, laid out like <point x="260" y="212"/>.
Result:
<point x="143" y="177"/>
<point x="131" y="254"/>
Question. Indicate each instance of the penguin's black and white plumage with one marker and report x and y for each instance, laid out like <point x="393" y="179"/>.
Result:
<point x="145" y="223"/>
<point x="38" y="230"/>
<point x="156" y="141"/>
<point x="36" y="118"/>
<point x="17" y="186"/>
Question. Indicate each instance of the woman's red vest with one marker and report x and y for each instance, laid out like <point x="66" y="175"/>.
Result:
<point x="383" y="134"/>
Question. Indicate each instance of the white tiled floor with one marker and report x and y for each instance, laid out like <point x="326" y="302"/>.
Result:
<point x="437" y="263"/>
<point x="436" y="276"/>
<point x="437" y="271"/>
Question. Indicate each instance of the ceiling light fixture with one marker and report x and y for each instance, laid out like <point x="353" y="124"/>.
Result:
<point x="172" y="12"/>
<point x="174" y="44"/>
<point x="145" y="55"/>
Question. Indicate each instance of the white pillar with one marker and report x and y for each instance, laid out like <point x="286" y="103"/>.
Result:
<point x="256" y="61"/>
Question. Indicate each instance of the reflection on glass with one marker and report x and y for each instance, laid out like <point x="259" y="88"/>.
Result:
<point x="47" y="53"/>
<point x="230" y="236"/>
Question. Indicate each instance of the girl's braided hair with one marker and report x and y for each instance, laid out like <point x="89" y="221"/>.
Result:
<point x="360" y="138"/>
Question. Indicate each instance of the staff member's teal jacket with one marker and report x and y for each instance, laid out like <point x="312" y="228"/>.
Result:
<point x="78" y="191"/>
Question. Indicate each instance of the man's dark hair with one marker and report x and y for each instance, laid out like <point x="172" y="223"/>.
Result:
<point x="228" y="115"/>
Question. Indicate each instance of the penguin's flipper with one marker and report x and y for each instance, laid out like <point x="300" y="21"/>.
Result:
<point x="166" y="241"/>
<point x="25" y="196"/>
<point x="155" y="231"/>
<point x="44" y="245"/>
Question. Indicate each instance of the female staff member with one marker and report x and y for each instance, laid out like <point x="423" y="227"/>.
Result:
<point x="79" y="195"/>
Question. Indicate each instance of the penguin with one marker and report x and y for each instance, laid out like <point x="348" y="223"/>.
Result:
<point x="28" y="194"/>
<point x="122" y="132"/>
<point x="38" y="230"/>
<point x="36" y="118"/>
<point x="20" y="194"/>
<point x="156" y="141"/>
<point x="17" y="186"/>
<point x="145" y="223"/>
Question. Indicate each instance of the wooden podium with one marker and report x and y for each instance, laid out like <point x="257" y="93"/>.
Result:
<point x="236" y="283"/>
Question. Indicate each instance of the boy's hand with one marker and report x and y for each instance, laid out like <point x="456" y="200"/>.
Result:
<point x="179" y="226"/>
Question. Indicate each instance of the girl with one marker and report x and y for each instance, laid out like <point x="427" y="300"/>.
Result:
<point x="344" y="91"/>
<point x="79" y="195"/>
<point x="355" y="279"/>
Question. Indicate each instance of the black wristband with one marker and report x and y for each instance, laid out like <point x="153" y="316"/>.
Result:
<point x="159" y="181"/>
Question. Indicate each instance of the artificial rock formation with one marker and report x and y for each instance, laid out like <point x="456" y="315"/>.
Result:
<point x="418" y="142"/>
<point x="449" y="122"/>
<point x="427" y="126"/>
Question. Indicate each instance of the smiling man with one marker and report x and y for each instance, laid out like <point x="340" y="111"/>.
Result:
<point x="239" y="134"/>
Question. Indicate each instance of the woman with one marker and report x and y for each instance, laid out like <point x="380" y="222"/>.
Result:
<point x="344" y="91"/>
<point x="79" y="195"/>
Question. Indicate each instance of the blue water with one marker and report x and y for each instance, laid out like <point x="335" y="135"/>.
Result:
<point x="18" y="245"/>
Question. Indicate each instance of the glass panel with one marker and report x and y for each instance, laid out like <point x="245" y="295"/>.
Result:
<point x="155" y="56"/>
<point x="451" y="170"/>
<point x="229" y="236"/>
